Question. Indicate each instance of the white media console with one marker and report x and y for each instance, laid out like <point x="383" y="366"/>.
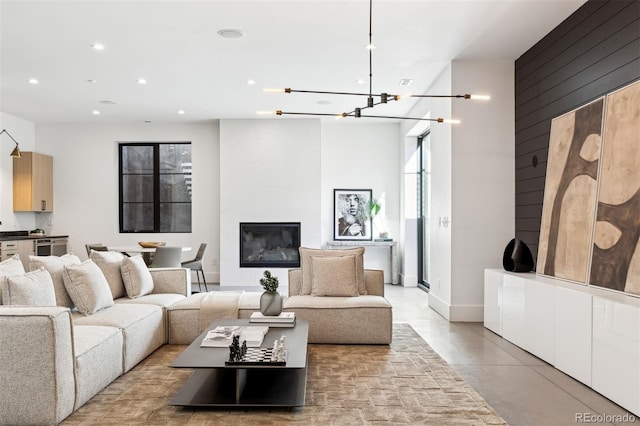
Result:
<point x="593" y="335"/>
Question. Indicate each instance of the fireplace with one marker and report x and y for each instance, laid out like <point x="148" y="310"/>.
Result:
<point x="269" y="244"/>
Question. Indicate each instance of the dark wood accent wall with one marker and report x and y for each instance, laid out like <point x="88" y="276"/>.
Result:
<point x="593" y="52"/>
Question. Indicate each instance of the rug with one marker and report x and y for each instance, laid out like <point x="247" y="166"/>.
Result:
<point x="406" y="382"/>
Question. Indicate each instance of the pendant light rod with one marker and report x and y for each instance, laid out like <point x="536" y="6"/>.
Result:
<point x="389" y="96"/>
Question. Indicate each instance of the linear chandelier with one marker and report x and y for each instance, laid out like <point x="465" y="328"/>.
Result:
<point x="373" y="99"/>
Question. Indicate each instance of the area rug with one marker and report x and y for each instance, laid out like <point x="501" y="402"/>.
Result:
<point x="406" y="382"/>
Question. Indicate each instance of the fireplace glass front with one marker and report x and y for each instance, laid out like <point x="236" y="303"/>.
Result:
<point x="269" y="244"/>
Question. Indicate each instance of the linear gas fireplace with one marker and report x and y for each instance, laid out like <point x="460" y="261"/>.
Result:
<point x="269" y="244"/>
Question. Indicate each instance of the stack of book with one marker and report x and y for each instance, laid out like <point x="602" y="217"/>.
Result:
<point x="222" y="336"/>
<point x="285" y="319"/>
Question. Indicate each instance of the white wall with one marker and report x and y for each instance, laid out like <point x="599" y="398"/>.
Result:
<point x="85" y="167"/>
<point x="22" y="131"/>
<point x="270" y="172"/>
<point x="362" y="156"/>
<point x="472" y="183"/>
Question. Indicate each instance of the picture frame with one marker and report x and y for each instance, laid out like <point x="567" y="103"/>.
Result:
<point x="351" y="218"/>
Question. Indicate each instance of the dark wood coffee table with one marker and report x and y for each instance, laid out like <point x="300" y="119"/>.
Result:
<point x="213" y="384"/>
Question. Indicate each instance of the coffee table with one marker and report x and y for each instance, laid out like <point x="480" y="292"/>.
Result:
<point x="213" y="384"/>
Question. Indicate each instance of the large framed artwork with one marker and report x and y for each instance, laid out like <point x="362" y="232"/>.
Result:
<point x="568" y="208"/>
<point x="590" y="229"/>
<point x="615" y="262"/>
<point x="350" y="212"/>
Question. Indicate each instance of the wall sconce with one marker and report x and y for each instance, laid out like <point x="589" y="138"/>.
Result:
<point x="16" y="151"/>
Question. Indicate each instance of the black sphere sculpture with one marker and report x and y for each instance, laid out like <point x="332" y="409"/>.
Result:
<point x="517" y="257"/>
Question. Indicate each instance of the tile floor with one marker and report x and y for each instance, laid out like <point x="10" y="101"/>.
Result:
<point x="523" y="389"/>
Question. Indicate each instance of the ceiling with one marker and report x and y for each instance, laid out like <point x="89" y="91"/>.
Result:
<point x="302" y="44"/>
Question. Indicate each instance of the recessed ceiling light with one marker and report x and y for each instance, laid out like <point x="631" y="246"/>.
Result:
<point x="181" y="112"/>
<point x="95" y="112"/>
<point x="251" y="82"/>
<point x="92" y="81"/>
<point x="230" y="33"/>
<point x="142" y="81"/>
<point x="107" y="103"/>
<point x="97" y="46"/>
<point x="324" y="102"/>
<point x="360" y="81"/>
<point x="405" y="82"/>
<point x="33" y="81"/>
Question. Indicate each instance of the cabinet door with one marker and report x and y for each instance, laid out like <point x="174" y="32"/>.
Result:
<point x="42" y="183"/>
<point x="26" y="248"/>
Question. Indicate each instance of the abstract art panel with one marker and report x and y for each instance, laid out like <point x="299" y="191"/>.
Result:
<point x="570" y="193"/>
<point x="615" y="262"/>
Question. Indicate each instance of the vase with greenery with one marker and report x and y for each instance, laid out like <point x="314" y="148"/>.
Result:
<point x="374" y="209"/>
<point x="270" y="300"/>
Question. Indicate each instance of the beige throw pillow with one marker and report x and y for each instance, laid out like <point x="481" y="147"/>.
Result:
<point x="307" y="268"/>
<point x="334" y="276"/>
<point x="110" y="262"/>
<point x="87" y="287"/>
<point x="136" y="276"/>
<point x="33" y="288"/>
<point x="54" y="265"/>
<point x="11" y="266"/>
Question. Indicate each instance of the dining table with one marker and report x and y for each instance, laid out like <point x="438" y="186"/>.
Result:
<point x="146" y="252"/>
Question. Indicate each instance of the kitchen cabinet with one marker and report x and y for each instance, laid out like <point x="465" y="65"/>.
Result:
<point x="23" y="248"/>
<point x="33" y="183"/>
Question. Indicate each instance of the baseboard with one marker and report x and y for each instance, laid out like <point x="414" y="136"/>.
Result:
<point x="456" y="313"/>
<point x="408" y="280"/>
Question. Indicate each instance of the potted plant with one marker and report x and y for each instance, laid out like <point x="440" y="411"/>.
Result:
<point x="374" y="208"/>
<point x="270" y="300"/>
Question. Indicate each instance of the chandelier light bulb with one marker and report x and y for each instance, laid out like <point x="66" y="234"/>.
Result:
<point x="370" y="46"/>
<point x="266" y="112"/>
<point x="481" y="97"/>
<point x="450" y="121"/>
<point x="272" y="90"/>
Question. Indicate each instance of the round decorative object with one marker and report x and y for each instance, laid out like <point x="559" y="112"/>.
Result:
<point x="270" y="303"/>
<point x="517" y="257"/>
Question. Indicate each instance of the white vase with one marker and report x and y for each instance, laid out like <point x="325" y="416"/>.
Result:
<point x="270" y="303"/>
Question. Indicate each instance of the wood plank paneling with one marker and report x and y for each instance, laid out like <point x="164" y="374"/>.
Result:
<point x="593" y="52"/>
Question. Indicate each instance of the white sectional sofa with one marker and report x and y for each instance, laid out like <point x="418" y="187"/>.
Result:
<point x="54" y="359"/>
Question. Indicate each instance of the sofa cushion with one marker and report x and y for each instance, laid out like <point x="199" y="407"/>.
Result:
<point x="87" y="287"/>
<point x="142" y="327"/>
<point x="334" y="276"/>
<point x="33" y="288"/>
<point x="307" y="268"/>
<point x="98" y="352"/>
<point x="136" y="277"/>
<point x="110" y="263"/>
<point x="11" y="266"/>
<point x="55" y="265"/>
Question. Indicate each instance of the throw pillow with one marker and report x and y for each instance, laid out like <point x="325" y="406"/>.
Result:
<point x="54" y="265"/>
<point x="307" y="269"/>
<point x="87" y="287"/>
<point x="334" y="276"/>
<point x="11" y="266"/>
<point x="136" y="276"/>
<point x="33" y="288"/>
<point x="110" y="262"/>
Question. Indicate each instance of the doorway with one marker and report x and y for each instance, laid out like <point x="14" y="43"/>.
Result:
<point x="423" y="203"/>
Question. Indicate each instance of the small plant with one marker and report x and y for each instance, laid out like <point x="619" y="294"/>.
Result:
<point x="269" y="282"/>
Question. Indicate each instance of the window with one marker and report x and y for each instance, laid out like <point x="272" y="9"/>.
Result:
<point x="155" y="187"/>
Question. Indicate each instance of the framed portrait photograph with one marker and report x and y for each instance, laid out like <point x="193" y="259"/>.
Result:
<point x="351" y="219"/>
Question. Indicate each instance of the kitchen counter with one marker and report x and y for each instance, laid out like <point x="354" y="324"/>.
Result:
<point x="24" y="235"/>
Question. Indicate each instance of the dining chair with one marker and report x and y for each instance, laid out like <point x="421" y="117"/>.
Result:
<point x="166" y="257"/>
<point x="96" y="247"/>
<point x="195" y="264"/>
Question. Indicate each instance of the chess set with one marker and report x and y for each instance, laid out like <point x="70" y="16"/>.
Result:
<point x="239" y="354"/>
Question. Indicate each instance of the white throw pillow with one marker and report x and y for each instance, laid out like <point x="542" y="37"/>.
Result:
<point x="110" y="262"/>
<point x="307" y="268"/>
<point x="54" y="265"/>
<point x="136" y="276"/>
<point x="334" y="276"/>
<point x="11" y="266"/>
<point x="33" y="288"/>
<point x="87" y="287"/>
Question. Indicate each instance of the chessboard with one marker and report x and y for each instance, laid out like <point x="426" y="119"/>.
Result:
<point x="256" y="356"/>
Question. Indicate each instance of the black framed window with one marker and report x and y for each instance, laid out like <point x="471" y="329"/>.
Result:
<point x="155" y="187"/>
